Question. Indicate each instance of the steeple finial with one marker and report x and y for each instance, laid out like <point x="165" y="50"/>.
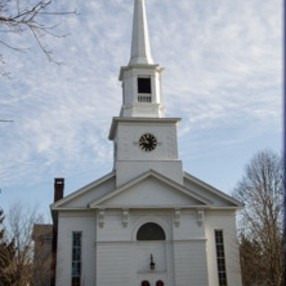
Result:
<point x="140" y="50"/>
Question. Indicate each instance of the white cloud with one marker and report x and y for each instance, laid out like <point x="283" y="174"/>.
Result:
<point x="223" y="72"/>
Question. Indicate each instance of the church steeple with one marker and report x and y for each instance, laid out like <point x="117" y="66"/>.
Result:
<point x="143" y="137"/>
<point x="140" y="50"/>
<point x="141" y="79"/>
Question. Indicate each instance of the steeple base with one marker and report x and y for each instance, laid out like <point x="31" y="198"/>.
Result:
<point x="142" y="110"/>
<point x="127" y="170"/>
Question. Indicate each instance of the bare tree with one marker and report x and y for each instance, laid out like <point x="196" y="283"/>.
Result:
<point x="261" y="221"/>
<point x="28" y="16"/>
<point x="21" y="220"/>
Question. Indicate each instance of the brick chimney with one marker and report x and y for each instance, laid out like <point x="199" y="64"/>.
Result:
<point x="58" y="195"/>
<point x="59" y="189"/>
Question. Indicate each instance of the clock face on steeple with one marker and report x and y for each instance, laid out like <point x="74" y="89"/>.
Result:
<point x="147" y="142"/>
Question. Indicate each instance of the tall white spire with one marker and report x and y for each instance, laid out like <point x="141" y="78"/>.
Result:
<point x="141" y="79"/>
<point x="140" y="50"/>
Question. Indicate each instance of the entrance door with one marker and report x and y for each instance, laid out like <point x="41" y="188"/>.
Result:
<point x="151" y="258"/>
<point x="147" y="283"/>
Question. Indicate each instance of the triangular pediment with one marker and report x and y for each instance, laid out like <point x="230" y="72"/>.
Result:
<point x="150" y="190"/>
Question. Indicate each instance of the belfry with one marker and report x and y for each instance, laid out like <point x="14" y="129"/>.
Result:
<point x="147" y="222"/>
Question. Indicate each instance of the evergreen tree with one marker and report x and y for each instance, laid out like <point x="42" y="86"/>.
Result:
<point x="7" y="253"/>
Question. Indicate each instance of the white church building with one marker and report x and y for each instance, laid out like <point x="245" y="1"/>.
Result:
<point x="147" y="222"/>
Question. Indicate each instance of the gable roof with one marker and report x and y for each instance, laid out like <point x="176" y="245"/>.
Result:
<point x="103" y="193"/>
<point x="87" y="193"/>
<point x="218" y="197"/>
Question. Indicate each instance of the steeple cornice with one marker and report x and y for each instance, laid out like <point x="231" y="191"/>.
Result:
<point x="156" y="67"/>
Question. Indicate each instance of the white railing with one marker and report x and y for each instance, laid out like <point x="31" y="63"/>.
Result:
<point x="144" y="98"/>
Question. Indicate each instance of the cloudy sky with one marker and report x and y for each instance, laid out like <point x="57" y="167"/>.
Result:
<point x="223" y="77"/>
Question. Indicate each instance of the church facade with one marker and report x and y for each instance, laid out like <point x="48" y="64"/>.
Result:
<point x="147" y="222"/>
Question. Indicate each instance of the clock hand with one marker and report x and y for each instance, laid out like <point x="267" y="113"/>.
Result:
<point x="145" y="139"/>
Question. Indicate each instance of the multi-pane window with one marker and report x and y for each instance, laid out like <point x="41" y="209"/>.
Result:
<point x="76" y="258"/>
<point x="220" y="258"/>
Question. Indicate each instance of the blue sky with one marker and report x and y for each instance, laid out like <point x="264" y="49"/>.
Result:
<point x="223" y="77"/>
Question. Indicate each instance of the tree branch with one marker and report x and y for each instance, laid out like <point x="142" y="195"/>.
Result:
<point x="21" y="16"/>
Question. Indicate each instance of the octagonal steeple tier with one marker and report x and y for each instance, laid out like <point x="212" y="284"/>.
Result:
<point x="141" y="78"/>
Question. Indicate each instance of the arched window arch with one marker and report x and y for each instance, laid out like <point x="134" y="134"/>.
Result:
<point x="145" y="283"/>
<point x="151" y="231"/>
<point x="159" y="283"/>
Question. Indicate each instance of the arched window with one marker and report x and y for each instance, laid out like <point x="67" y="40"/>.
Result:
<point x="151" y="231"/>
<point x="159" y="283"/>
<point x="145" y="283"/>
